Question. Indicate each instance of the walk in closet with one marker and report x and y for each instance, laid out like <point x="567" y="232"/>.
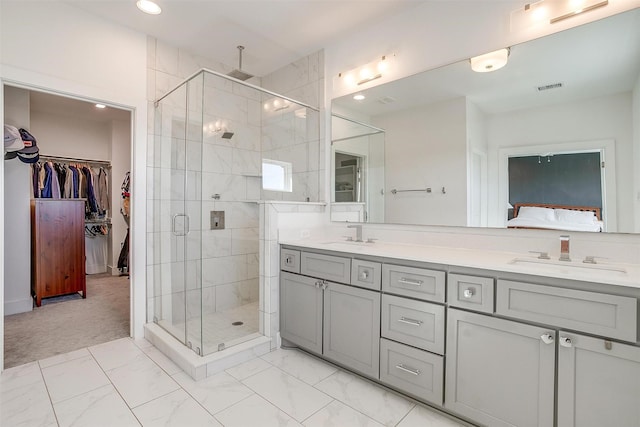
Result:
<point x="84" y="155"/>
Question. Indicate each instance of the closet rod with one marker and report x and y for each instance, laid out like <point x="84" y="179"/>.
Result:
<point x="71" y="159"/>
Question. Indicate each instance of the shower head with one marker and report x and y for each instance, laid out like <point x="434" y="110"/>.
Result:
<point x="227" y="134"/>
<point x="238" y="73"/>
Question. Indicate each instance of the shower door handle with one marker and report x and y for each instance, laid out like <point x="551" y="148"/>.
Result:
<point x="173" y="225"/>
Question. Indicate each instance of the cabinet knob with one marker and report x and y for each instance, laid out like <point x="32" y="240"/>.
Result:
<point x="288" y="260"/>
<point x="468" y="293"/>
<point x="566" y="342"/>
<point x="364" y="275"/>
<point x="547" y="338"/>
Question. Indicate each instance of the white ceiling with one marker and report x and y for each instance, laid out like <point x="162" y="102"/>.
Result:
<point x="274" y="32"/>
<point x="61" y="105"/>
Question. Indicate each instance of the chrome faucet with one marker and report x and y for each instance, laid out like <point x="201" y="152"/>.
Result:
<point x="564" y="248"/>
<point x="358" y="228"/>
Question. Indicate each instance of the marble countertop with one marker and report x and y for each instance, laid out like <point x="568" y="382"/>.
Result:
<point x="602" y="272"/>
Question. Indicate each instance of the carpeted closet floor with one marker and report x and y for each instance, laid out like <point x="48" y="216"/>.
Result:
<point x="68" y="323"/>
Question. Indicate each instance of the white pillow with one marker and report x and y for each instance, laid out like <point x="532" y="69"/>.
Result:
<point x="576" y="217"/>
<point x="533" y="212"/>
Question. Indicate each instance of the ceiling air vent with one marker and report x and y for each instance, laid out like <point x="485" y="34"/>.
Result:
<point x="548" y="87"/>
<point x="386" y="100"/>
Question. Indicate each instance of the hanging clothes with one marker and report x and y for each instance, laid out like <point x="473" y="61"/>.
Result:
<point x="73" y="180"/>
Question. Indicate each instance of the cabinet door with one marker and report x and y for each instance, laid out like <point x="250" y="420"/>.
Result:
<point x="301" y="311"/>
<point x="352" y="328"/>
<point x="499" y="372"/>
<point x="598" y="382"/>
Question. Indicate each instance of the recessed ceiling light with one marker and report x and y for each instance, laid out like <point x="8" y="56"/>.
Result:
<point x="101" y="106"/>
<point x="359" y="97"/>
<point x="147" y="6"/>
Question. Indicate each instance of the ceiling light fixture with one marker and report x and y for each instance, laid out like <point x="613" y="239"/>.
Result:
<point x="491" y="61"/>
<point x="359" y="97"/>
<point x="147" y="6"/>
<point x="101" y="106"/>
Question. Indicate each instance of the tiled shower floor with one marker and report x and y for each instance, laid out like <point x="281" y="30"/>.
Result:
<point x="218" y="328"/>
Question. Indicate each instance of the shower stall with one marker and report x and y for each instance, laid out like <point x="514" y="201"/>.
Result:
<point x="221" y="147"/>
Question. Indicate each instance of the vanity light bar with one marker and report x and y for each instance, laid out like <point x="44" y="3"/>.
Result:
<point x="579" y="11"/>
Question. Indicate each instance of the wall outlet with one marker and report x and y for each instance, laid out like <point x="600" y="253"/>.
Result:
<point x="217" y="220"/>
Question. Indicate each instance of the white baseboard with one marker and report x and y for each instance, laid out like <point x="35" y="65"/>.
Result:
<point x="18" y="306"/>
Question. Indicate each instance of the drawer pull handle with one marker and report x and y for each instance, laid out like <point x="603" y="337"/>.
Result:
<point x="408" y="370"/>
<point x="547" y="338"/>
<point x="288" y="260"/>
<point x="406" y="281"/>
<point x="410" y="321"/>
<point x="566" y="342"/>
<point x="468" y="293"/>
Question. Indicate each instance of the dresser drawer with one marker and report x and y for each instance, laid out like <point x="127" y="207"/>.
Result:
<point x="413" y="282"/>
<point x="290" y="260"/>
<point x="471" y="292"/>
<point x="416" y="323"/>
<point x="412" y="371"/>
<point x="599" y="314"/>
<point x="366" y="274"/>
<point x="334" y="268"/>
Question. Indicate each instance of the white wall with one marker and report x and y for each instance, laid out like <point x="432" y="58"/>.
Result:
<point x="476" y="166"/>
<point x="120" y="164"/>
<point x="17" y="217"/>
<point x="594" y="119"/>
<point x="426" y="147"/>
<point x="69" y="136"/>
<point x="58" y="48"/>
<point x="636" y="154"/>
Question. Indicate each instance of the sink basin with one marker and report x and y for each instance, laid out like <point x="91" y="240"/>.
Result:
<point x="569" y="267"/>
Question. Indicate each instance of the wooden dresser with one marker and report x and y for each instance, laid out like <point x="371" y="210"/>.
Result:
<point x="57" y="248"/>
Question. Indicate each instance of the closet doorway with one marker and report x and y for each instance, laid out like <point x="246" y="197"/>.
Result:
<point x="83" y="159"/>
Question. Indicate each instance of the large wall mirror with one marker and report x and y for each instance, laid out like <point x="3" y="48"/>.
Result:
<point x="555" y="130"/>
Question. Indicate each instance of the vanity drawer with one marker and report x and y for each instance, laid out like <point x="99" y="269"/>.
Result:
<point x="290" y="260"/>
<point x="471" y="292"/>
<point x="334" y="268"/>
<point x="412" y="371"/>
<point x="416" y="323"/>
<point x="599" y="314"/>
<point x="413" y="282"/>
<point x="366" y="274"/>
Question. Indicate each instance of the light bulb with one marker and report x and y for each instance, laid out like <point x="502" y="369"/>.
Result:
<point x="383" y="65"/>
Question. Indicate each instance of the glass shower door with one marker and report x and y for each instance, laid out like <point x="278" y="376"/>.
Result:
<point x="176" y="219"/>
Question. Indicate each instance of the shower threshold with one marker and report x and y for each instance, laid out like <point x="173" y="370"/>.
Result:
<point x="200" y="367"/>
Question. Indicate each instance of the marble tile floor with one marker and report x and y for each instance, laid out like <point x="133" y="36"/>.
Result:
<point x="218" y="327"/>
<point x="130" y="383"/>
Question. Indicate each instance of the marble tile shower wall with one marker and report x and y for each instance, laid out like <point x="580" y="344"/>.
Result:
<point x="222" y="267"/>
<point x="218" y="266"/>
<point x="295" y="136"/>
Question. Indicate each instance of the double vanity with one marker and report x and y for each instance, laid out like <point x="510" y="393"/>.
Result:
<point x="492" y="338"/>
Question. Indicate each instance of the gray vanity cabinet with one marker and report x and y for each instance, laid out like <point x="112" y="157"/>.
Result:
<point x="598" y="382"/>
<point x="340" y="322"/>
<point x="499" y="372"/>
<point x="301" y="305"/>
<point x="352" y="327"/>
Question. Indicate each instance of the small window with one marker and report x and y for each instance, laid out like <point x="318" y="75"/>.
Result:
<point x="276" y="176"/>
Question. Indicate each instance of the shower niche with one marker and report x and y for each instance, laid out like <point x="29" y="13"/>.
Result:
<point x="212" y="135"/>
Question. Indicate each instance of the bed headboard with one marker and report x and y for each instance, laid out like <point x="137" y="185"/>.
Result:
<point x="517" y="206"/>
